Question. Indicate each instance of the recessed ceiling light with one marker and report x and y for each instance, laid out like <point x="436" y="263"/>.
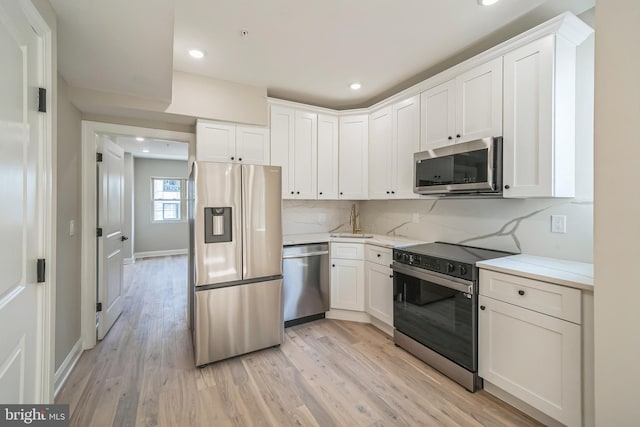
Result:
<point x="355" y="86"/>
<point x="139" y="138"/>
<point x="487" y="2"/>
<point x="145" y="151"/>
<point x="196" y="53"/>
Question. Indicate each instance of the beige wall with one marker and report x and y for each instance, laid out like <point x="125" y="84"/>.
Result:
<point x="617" y="213"/>
<point x="67" y="246"/>
<point x="149" y="236"/>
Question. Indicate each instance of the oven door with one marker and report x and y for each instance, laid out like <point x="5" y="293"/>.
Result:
<point x="438" y="312"/>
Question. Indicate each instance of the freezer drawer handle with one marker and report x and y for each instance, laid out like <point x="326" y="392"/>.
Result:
<point x="305" y="255"/>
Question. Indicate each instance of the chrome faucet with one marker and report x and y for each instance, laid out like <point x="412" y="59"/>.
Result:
<point x="353" y="220"/>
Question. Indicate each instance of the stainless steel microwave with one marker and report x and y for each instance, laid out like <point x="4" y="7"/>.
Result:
<point x="467" y="168"/>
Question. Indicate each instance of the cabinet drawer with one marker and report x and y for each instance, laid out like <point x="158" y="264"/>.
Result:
<point x="347" y="250"/>
<point x="557" y="301"/>
<point x="382" y="256"/>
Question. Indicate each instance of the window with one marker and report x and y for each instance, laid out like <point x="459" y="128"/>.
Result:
<point x="168" y="196"/>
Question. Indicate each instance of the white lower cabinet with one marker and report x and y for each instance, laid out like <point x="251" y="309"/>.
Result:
<point x="379" y="283"/>
<point x="347" y="276"/>
<point x="531" y="355"/>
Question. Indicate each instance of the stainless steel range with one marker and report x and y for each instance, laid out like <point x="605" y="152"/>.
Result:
<point x="435" y="311"/>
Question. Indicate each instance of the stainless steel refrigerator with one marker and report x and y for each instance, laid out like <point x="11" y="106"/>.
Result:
<point x="235" y="259"/>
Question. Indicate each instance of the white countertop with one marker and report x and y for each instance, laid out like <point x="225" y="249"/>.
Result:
<point x="377" y="239"/>
<point x="558" y="271"/>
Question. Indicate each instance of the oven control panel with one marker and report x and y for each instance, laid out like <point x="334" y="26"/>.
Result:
<point x="439" y="265"/>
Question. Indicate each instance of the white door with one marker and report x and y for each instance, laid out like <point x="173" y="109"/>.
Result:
<point x="216" y="142"/>
<point x="282" y="130"/>
<point x="406" y="141"/>
<point x="347" y="284"/>
<point x="438" y="116"/>
<point x="21" y="221"/>
<point x="479" y="102"/>
<point x="353" y="176"/>
<point x="380" y="292"/>
<point x="380" y="154"/>
<point x="327" y="157"/>
<point x="252" y="145"/>
<point x="304" y="155"/>
<point x="111" y="220"/>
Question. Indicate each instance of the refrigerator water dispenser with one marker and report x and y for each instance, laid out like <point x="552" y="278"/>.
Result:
<point x="217" y="225"/>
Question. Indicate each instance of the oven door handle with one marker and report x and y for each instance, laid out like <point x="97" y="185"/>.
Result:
<point x="421" y="274"/>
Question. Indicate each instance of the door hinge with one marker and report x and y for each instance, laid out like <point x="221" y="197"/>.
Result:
<point x="98" y="307"/>
<point x="98" y="157"/>
<point x="42" y="100"/>
<point x="41" y="270"/>
<point x="98" y="232"/>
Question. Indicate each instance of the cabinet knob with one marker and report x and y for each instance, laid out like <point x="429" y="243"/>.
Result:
<point x="341" y="193"/>
<point x="239" y="159"/>
<point x="297" y="192"/>
<point x="521" y="292"/>
<point x="506" y="187"/>
<point x="387" y="192"/>
<point x="232" y="158"/>
<point x="333" y="265"/>
<point x="292" y="192"/>
<point x="379" y="255"/>
<point x="482" y="307"/>
<point x="393" y="192"/>
<point x="391" y="276"/>
<point x="450" y="138"/>
<point x="321" y="193"/>
<point x="458" y="136"/>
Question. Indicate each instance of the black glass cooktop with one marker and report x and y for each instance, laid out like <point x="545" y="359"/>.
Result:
<point x="446" y="258"/>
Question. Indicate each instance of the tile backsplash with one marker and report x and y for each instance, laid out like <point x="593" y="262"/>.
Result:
<point x="521" y="225"/>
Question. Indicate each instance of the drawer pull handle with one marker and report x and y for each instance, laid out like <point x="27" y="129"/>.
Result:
<point x="520" y="292"/>
<point x="482" y="307"/>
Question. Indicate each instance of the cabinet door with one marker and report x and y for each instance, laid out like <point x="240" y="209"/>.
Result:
<point x="282" y="132"/>
<point x="327" y="157"/>
<point x="406" y="141"/>
<point x="479" y="102"/>
<point x="438" y="116"/>
<point x="379" y="292"/>
<point x="380" y="153"/>
<point x="347" y="284"/>
<point x="304" y="153"/>
<point x="354" y="160"/>
<point x="252" y="145"/>
<point x="534" y="357"/>
<point x="528" y="120"/>
<point x="216" y="142"/>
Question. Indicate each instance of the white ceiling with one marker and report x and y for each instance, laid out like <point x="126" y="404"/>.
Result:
<point x="155" y="148"/>
<point x="306" y="51"/>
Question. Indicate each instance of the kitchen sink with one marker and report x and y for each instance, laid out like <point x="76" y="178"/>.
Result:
<point x="352" y="235"/>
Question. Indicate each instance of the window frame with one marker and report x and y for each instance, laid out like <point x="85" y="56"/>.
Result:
<point x="182" y="200"/>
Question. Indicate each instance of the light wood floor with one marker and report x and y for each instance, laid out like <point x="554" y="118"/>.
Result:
<point x="327" y="373"/>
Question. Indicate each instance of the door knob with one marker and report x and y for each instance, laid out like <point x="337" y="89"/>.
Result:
<point x="123" y="238"/>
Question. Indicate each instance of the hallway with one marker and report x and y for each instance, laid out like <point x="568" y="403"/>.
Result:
<point x="326" y="373"/>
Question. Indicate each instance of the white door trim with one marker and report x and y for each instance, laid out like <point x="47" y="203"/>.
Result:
<point x="90" y="133"/>
<point x="48" y="173"/>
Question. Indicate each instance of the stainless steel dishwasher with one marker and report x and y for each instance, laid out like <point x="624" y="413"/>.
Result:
<point x="305" y="269"/>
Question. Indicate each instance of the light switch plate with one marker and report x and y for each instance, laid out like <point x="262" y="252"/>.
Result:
<point x="558" y="223"/>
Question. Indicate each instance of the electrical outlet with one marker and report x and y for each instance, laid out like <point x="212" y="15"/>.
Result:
<point x="72" y="227"/>
<point x="416" y="218"/>
<point x="558" y="223"/>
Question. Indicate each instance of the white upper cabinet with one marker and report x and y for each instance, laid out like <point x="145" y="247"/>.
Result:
<point x="539" y="119"/>
<point x="394" y="135"/>
<point x="354" y="159"/>
<point x="229" y="143"/>
<point x="380" y="153"/>
<point x="465" y="108"/>
<point x="439" y="115"/>
<point x="252" y="145"/>
<point x="328" y="156"/>
<point x="294" y="148"/>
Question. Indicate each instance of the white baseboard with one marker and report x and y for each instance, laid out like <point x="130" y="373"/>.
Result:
<point x="169" y="252"/>
<point x="387" y="329"/>
<point x="128" y="261"/>
<point x="353" y="316"/>
<point x="67" y="366"/>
